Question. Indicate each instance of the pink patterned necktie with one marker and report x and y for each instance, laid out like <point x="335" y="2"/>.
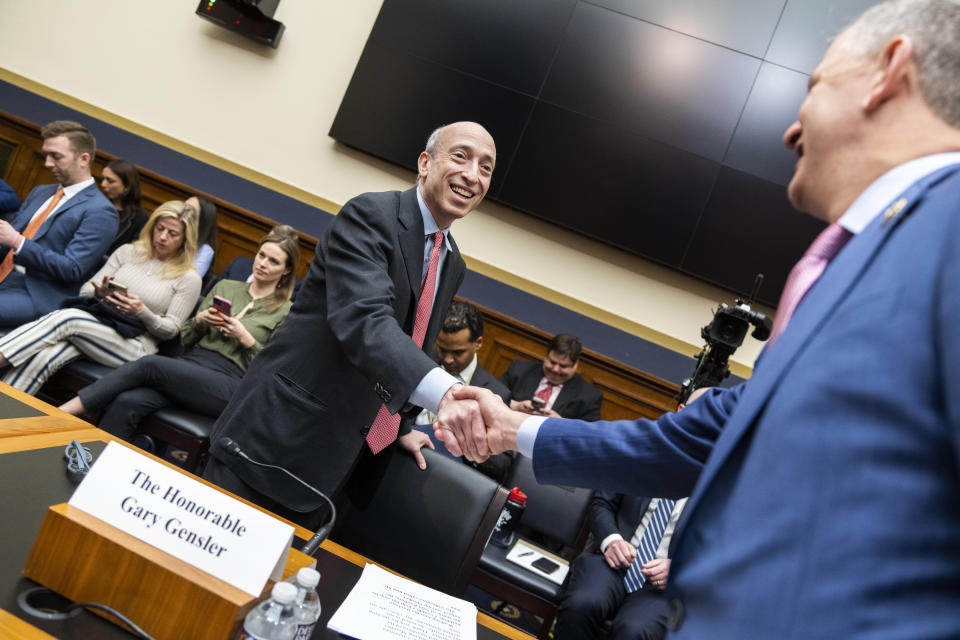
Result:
<point x="385" y="426"/>
<point x="810" y="267"/>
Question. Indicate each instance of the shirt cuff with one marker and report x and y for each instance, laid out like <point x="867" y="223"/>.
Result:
<point x="527" y="434"/>
<point x="431" y="389"/>
<point x="16" y="250"/>
<point x="606" y="541"/>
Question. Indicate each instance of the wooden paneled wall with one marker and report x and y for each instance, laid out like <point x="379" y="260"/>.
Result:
<point x="627" y="392"/>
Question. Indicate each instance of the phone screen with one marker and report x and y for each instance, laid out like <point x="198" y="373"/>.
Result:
<point x="222" y="305"/>
<point x="545" y="564"/>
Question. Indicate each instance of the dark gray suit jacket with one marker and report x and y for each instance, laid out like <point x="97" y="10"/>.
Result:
<point x="578" y="399"/>
<point x="309" y="397"/>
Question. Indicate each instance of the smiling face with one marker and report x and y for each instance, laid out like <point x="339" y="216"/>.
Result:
<point x="456" y="176"/>
<point x="558" y="368"/>
<point x="827" y="132"/>
<point x="167" y="238"/>
<point x="270" y="264"/>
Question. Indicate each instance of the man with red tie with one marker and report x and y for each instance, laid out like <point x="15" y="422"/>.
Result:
<point x="553" y="388"/>
<point x="349" y="360"/>
<point x="58" y="237"/>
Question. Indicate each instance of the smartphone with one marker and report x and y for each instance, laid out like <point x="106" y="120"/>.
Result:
<point x="538" y="403"/>
<point x="222" y="305"/>
<point x="113" y="286"/>
<point x="545" y="564"/>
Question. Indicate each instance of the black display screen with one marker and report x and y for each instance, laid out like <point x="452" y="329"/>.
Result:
<point x="651" y="126"/>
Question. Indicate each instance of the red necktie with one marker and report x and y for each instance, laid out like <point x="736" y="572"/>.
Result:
<point x="545" y="393"/>
<point x="32" y="227"/>
<point x="385" y="426"/>
<point x="810" y="267"/>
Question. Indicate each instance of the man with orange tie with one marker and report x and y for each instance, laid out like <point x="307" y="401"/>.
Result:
<point x="58" y="237"/>
<point x="349" y="359"/>
<point x="553" y="388"/>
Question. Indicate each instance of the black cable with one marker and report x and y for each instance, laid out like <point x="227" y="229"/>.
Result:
<point x="49" y="613"/>
<point x="102" y="607"/>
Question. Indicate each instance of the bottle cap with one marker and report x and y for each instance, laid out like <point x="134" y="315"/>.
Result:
<point x="308" y="578"/>
<point x="517" y="496"/>
<point x="284" y="593"/>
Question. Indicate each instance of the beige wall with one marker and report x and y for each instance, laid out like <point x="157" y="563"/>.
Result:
<point x="155" y="64"/>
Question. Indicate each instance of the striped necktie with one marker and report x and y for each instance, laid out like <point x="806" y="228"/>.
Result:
<point x="647" y="550"/>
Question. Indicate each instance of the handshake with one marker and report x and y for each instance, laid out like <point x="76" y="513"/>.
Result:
<point x="476" y="424"/>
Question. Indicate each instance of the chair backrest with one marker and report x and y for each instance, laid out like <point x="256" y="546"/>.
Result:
<point x="555" y="511"/>
<point x="428" y="525"/>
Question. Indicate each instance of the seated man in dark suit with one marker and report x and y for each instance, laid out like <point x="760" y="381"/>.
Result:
<point x="601" y="587"/>
<point x="460" y="337"/>
<point x="9" y="201"/>
<point x="58" y="237"/>
<point x="553" y="389"/>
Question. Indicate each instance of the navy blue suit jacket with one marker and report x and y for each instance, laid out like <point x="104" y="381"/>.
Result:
<point x="65" y="252"/>
<point x="611" y="513"/>
<point x="9" y="202"/>
<point x="827" y="498"/>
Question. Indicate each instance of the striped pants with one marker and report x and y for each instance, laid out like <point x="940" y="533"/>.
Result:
<point x="40" y="348"/>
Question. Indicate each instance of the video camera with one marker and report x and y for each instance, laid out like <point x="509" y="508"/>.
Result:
<point x="723" y="336"/>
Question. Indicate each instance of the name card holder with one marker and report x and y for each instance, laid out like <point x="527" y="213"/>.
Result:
<point x="87" y="560"/>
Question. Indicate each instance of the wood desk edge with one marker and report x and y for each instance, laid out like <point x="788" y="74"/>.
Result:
<point x="54" y="420"/>
<point x="93" y="434"/>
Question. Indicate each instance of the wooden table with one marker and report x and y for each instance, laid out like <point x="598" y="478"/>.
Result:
<point x="28" y="424"/>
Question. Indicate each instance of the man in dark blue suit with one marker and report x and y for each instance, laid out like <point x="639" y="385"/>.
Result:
<point x="58" y="237"/>
<point x="596" y="591"/>
<point x="9" y="202"/>
<point x="825" y="489"/>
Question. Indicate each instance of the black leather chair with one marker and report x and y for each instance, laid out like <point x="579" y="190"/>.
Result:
<point x="429" y="525"/>
<point x="181" y="429"/>
<point x="559" y="514"/>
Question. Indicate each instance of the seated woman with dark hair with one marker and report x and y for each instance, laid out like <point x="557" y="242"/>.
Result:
<point x="139" y="298"/>
<point x="120" y="182"/>
<point x="220" y="345"/>
<point x="206" y="232"/>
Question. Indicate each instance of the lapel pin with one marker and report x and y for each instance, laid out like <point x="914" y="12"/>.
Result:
<point x="894" y="209"/>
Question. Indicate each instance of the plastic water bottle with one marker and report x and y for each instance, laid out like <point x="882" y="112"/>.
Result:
<point x="503" y="532"/>
<point x="272" y="619"/>
<point x="306" y="606"/>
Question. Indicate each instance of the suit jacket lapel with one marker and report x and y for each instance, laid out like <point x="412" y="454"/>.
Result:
<point x="814" y="312"/>
<point x="411" y="240"/>
<point x="567" y="392"/>
<point x="78" y="199"/>
<point x="43" y="193"/>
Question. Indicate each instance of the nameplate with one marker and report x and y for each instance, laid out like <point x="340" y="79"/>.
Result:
<point x="185" y="518"/>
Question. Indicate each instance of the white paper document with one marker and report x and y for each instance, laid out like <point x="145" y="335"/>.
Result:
<point x="382" y="606"/>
